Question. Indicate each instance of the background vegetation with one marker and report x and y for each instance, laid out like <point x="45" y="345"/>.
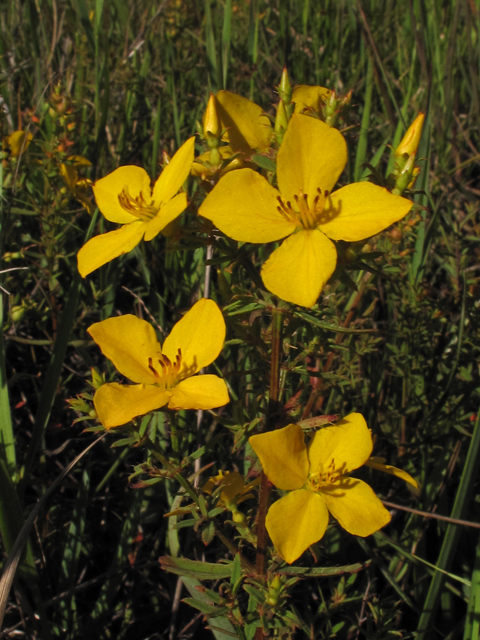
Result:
<point x="123" y="83"/>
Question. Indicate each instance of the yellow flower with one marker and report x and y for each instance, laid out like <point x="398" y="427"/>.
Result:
<point x="163" y="374"/>
<point x="234" y="488"/>
<point x="317" y="478"/>
<point x="247" y="208"/>
<point x="125" y="196"/>
<point x="234" y="491"/>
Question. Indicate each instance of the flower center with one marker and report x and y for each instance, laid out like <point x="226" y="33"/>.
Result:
<point x="323" y="477"/>
<point x="305" y="214"/>
<point x="168" y="373"/>
<point x="138" y="206"/>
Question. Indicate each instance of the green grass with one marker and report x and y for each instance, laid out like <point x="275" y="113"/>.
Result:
<point x="131" y="82"/>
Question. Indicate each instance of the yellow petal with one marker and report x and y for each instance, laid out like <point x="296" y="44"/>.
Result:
<point x="362" y="210"/>
<point x="167" y="213"/>
<point x="312" y="156"/>
<point x="356" y="507"/>
<point x="128" y="342"/>
<point x="283" y="455"/>
<point x="346" y="445"/>
<point x="233" y="485"/>
<point x="108" y="189"/>
<point x="69" y="174"/>
<point x="247" y="127"/>
<point x="175" y="173"/>
<point x="107" y="246"/>
<point x="244" y="206"/>
<point x="376" y="463"/>
<point x="117" y="404"/>
<point x="79" y="161"/>
<point x="295" y="522"/>
<point x="200" y="335"/>
<point x="307" y="97"/>
<point x="298" y="269"/>
<point x="199" y="392"/>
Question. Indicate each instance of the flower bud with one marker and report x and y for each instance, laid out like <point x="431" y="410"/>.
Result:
<point x="411" y="139"/>
<point x="331" y="107"/>
<point x="274" y="590"/>
<point x="285" y="88"/>
<point x="97" y="379"/>
<point x="211" y="123"/>
<point x="281" y="122"/>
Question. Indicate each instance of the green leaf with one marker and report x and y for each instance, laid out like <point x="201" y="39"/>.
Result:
<point x="195" y="569"/>
<point x="264" y="162"/>
<point x="221" y="628"/>
<point x="307" y="572"/>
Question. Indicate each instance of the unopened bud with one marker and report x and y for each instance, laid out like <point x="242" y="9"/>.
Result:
<point x="17" y="313"/>
<point x="281" y="121"/>
<point x="411" y="139"/>
<point x="331" y="109"/>
<point x="238" y="517"/>
<point x="211" y="123"/>
<point x="274" y="590"/>
<point x="285" y="88"/>
<point x="405" y="176"/>
<point x="97" y="379"/>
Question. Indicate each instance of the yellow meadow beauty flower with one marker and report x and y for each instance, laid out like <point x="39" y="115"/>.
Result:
<point x="234" y="487"/>
<point x="125" y="196"/>
<point x="317" y="479"/>
<point x="303" y="210"/>
<point x="164" y="375"/>
<point x="234" y="491"/>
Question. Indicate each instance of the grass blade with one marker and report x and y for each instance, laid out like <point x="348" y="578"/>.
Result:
<point x="452" y="534"/>
<point x="14" y="558"/>
<point x="226" y="40"/>
<point x="360" y="157"/>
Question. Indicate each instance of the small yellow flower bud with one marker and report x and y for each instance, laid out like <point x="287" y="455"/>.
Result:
<point x="211" y="124"/>
<point x="411" y="139"/>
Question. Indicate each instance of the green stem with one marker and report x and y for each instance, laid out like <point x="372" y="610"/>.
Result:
<point x="174" y="435"/>
<point x="273" y="402"/>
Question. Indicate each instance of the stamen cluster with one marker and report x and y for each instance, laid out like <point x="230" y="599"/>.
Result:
<point x="138" y="206"/>
<point x="309" y="216"/>
<point x="168" y="375"/>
